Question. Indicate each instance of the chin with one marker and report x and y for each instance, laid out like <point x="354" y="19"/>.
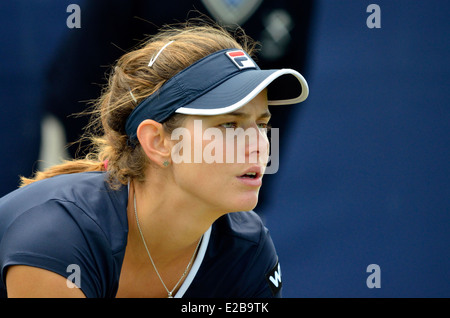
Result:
<point x="245" y="203"/>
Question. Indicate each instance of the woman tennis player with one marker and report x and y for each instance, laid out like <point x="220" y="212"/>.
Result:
<point x="132" y="219"/>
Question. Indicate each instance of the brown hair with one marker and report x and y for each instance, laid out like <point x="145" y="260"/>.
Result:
<point x="192" y="41"/>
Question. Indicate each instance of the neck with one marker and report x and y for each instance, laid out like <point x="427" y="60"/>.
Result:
<point x="171" y="226"/>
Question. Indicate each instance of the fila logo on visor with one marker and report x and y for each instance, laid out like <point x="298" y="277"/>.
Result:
<point x="241" y="59"/>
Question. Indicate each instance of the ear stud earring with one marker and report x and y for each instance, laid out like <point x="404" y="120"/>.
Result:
<point x="166" y="163"/>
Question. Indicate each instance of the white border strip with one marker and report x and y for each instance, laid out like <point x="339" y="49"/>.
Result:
<point x="252" y="94"/>
<point x="196" y="266"/>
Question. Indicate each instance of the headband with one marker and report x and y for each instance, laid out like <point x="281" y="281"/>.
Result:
<point x="219" y="83"/>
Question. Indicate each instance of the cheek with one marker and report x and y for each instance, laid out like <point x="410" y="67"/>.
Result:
<point x="206" y="147"/>
<point x="209" y="184"/>
<point x="219" y="151"/>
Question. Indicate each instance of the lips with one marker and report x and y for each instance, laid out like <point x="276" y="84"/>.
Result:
<point x="252" y="176"/>
<point x="252" y="173"/>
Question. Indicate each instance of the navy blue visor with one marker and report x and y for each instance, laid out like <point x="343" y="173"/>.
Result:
<point x="217" y="84"/>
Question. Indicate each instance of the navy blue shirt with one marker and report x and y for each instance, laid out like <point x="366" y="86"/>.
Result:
<point x="77" y="219"/>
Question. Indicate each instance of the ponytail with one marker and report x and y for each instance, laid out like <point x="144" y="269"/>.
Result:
<point x="67" y="167"/>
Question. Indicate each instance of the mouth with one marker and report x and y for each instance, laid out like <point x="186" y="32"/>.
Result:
<point x="252" y="177"/>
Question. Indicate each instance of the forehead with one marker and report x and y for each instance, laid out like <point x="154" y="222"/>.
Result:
<point x="258" y="106"/>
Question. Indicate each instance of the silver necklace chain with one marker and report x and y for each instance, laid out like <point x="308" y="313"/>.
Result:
<point x="169" y="292"/>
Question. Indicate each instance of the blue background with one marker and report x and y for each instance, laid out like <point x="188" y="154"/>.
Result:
<point x="365" y="179"/>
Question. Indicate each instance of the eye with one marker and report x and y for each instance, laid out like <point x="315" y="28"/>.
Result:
<point x="229" y="125"/>
<point x="265" y="126"/>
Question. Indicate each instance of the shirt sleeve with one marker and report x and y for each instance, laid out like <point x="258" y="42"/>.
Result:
<point x="59" y="237"/>
<point x="265" y="271"/>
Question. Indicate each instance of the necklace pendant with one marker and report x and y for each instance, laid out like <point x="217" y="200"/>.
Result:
<point x="170" y="295"/>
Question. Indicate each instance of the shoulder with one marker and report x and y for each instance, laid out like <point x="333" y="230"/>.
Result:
<point x="53" y="236"/>
<point x="246" y="226"/>
<point x="72" y="219"/>
<point x="239" y="257"/>
<point x="79" y="196"/>
<point x="69" y="187"/>
<point x="246" y="234"/>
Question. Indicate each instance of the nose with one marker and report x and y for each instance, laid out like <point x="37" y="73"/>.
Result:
<point x="257" y="149"/>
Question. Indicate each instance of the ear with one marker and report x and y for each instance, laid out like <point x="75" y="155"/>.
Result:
<point x="152" y="137"/>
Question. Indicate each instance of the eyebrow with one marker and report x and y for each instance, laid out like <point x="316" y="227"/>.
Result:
<point x="266" y="114"/>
